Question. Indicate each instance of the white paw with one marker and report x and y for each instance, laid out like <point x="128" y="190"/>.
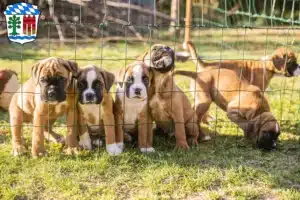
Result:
<point x="147" y="150"/>
<point x="113" y="149"/>
<point x="97" y="143"/>
<point x="85" y="141"/>
<point x="206" y="138"/>
<point x="120" y="145"/>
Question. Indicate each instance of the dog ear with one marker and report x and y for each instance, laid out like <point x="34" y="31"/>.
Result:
<point x="282" y="56"/>
<point x="279" y="61"/>
<point x="71" y="66"/>
<point x="35" y="72"/>
<point x="121" y="76"/>
<point x="109" y="78"/>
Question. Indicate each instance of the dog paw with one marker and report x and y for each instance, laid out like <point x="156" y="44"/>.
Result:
<point x="97" y="143"/>
<point x="193" y="141"/>
<point x="206" y="138"/>
<point x="72" y="150"/>
<point x="39" y="154"/>
<point x="54" y="137"/>
<point x="182" y="145"/>
<point x="85" y="141"/>
<point x="18" y="150"/>
<point x="147" y="150"/>
<point x="120" y="145"/>
<point x="113" y="149"/>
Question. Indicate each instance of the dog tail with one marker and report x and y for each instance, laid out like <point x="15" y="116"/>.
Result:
<point x="195" y="58"/>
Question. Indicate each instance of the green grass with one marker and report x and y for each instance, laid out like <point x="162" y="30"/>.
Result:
<point x="223" y="168"/>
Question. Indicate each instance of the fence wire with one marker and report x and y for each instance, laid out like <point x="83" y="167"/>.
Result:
<point x="203" y="28"/>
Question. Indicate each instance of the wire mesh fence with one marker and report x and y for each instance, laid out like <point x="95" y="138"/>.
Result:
<point x="111" y="34"/>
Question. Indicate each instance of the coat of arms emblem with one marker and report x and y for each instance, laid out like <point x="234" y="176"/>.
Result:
<point x="22" y="22"/>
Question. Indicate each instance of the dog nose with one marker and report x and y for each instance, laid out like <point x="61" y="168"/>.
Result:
<point x="89" y="96"/>
<point x="51" y="94"/>
<point x="137" y="91"/>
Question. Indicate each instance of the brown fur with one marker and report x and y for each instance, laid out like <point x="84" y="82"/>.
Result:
<point x="8" y="86"/>
<point x="256" y="72"/>
<point x="169" y="105"/>
<point x="26" y="106"/>
<point x="244" y="103"/>
<point x="106" y="119"/>
<point x="144" y="127"/>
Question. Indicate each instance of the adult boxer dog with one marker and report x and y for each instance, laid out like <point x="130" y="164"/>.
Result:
<point x="244" y="103"/>
<point x="95" y="105"/>
<point x="48" y="94"/>
<point x="168" y="104"/>
<point x="132" y="104"/>
<point x="9" y="85"/>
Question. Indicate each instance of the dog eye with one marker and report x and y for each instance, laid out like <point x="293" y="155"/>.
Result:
<point x="130" y="79"/>
<point x="97" y="84"/>
<point x="43" y="80"/>
<point x="146" y="79"/>
<point x="80" y="85"/>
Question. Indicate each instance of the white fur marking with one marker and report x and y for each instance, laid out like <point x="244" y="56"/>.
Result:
<point x="137" y="82"/>
<point x="120" y="145"/>
<point x="147" y="150"/>
<point x="90" y="77"/>
<point x="277" y="128"/>
<point x="97" y="142"/>
<point x="297" y="72"/>
<point x="113" y="149"/>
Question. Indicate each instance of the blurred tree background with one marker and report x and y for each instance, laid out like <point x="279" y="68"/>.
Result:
<point x="97" y="18"/>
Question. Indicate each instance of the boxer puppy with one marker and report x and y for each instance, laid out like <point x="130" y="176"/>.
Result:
<point x="168" y="104"/>
<point x="9" y="85"/>
<point x="48" y="94"/>
<point x="258" y="72"/>
<point x="132" y="100"/>
<point x="244" y="103"/>
<point x="95" y="104"/>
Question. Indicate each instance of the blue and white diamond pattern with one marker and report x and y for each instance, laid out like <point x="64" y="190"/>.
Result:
<point x="22" y="9"/>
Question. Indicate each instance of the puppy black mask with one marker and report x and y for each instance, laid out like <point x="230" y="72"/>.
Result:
<point x="161" y="58"/>
<point x="52" y="89"/>
<point x="53" y="75"/>
<point x="92" y="83"/>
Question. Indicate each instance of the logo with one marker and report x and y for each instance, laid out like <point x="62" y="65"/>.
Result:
<point x="22" y="22"/>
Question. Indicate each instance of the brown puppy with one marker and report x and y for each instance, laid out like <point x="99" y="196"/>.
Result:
<point x="95" y="105"/>
<point x="244" y="103"/>
<point x="257" y="72"/>
<point x="47" y="95"/>
<point x="9" y="85"/>
<point x="168" y="104"/>
<point x="132" y="104"/>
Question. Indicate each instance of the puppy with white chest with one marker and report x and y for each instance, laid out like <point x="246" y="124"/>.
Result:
<point x="95" y="105"/>
<point x="132" y="104"/>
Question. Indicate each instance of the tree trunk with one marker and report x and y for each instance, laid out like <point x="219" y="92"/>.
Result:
<point x="174" y="16"/>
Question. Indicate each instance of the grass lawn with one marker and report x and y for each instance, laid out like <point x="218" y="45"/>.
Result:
<point x="224" y="168"/>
